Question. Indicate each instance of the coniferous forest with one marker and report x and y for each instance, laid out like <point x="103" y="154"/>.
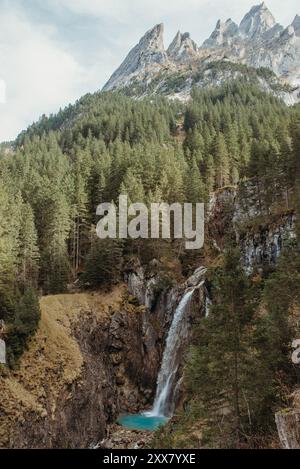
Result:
<point x="61" y="168"/>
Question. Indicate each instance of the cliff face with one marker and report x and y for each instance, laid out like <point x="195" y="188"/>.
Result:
<point x="288" y="425"/>
<point x="261" y="237"/>
<point x="260" y="234"/>
<point x="93" y="357"/>
<point x="147" y="56"/>
<point x="96" y="356"/>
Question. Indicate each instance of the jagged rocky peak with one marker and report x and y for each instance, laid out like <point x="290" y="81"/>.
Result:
<point x="154" y="39"/>
<point x="223" y="34"/>
<point x="175" y="44"/>
<point x="288" y="33"/>
<point x="296" y="25"/>
<point x="273" y="33"/>
<point x="182" y="48"/>
<point x="257" y="22"/>
<point x="149" y="52"/>
<point x="291" y="35"/>
<point x="257" y="42"/>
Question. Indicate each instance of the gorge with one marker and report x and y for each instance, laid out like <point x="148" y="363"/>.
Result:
<point x="167" y="381"/>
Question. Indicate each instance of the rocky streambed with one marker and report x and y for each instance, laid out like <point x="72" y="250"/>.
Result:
<point x="122" y="438"/>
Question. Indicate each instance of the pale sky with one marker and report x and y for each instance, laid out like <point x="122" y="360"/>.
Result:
<point x="54" y="51"/>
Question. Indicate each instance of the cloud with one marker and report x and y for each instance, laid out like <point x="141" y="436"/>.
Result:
<point x="137" y="10"/>
<point x="54" y="51"/>
<point x="40" y="75"/>
<point x="2" y="92"/>
<point x="126" y="20"/>
<point x="122" y="9"/>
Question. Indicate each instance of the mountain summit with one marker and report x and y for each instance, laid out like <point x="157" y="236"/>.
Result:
<point x="182" y="48"/>
<point x="148" y="54"/>
<point x="223" y="34"/>
<point x="259" y="41"/>
<point x="257" y="22"/>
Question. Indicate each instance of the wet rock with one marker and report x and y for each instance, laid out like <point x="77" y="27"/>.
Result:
<point x="196" y="278"/>
<point x="121" y="438"/>
<point x="2" y="352"/>
<point x="288" y="426"/>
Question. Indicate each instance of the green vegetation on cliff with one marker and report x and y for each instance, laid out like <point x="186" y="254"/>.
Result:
<point x="239" y="370"/>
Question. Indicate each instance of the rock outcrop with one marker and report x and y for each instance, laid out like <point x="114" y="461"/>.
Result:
<point x="260" y="235"/>
<point x="288" y="426"/>
<point x="256" y="22"/>
<point x="2" y="343"/>
<point x="122" y="438"/>
<point x="2" y="352"/>
<point x="182" y="49"/>
<point x="223" y="34"/>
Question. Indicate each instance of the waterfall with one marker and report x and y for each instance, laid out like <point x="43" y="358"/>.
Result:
<point x="166" y="381"/>
<point x="208" y="305"/>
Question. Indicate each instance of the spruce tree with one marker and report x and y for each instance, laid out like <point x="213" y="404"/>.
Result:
<point x="221" y="158"/>
<point x="28" y="248"/>
<point x="228" y="381"/>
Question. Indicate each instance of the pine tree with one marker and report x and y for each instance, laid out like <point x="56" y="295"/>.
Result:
<point x="295" y="165"/>
<point x="195" y="188"/>
<point x="209" y="174"/>
<point x="227" y="378"/>
<point x="10" y="214"/>
<point x="103" y="264"/>
<point x="221" y="161"/>
<point x="26" y="318"/>
<point x="28" y="248"/>
<point x="80" y="215"/>
<point x="55" y="264"/>
<point x="132" y="186"/>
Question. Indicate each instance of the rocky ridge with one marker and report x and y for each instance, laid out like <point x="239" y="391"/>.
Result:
<point x="258" y="42"/>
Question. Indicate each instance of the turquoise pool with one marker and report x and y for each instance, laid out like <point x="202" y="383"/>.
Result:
<point x="142" y="422"/>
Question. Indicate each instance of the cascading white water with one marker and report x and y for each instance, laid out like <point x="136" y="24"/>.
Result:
<point x="163" y="403"/>
<point x="208" y="305"/>
<point x="169" y="380"/>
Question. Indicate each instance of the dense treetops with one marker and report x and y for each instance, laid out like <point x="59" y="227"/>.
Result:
<point x="152" y="149"/>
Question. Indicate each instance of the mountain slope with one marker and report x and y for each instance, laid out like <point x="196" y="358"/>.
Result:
<point x="148" y="54"/>
<point x="257" y="42"/>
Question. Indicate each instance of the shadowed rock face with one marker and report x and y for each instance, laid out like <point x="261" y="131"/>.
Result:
<point x="261" y="243"/>
<point x="257" y="42"/>
<point x="52" y="403"/>
<point x="223" y="34"/>
<point x="296" y="25"/>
